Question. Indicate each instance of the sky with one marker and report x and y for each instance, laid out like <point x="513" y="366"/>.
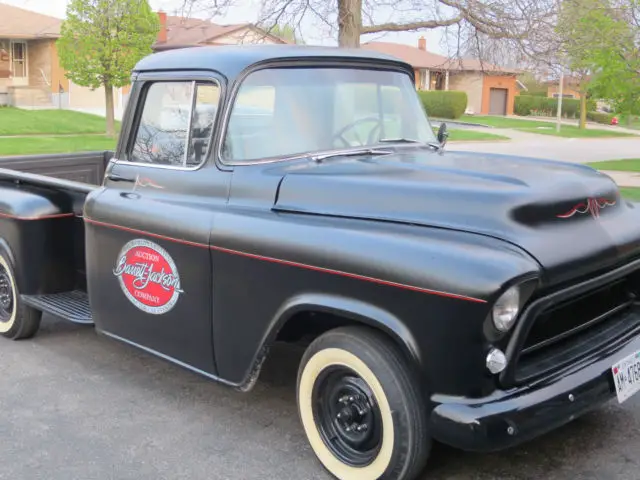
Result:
<point x="247" y="11"/>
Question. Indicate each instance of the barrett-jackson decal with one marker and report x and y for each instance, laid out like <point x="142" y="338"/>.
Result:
<point x="148" y="276"/>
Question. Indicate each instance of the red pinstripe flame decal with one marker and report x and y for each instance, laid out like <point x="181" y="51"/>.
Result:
<point x="290" y="263"/>
<point x="146" y="182"/>
<point x="592" y="206"/>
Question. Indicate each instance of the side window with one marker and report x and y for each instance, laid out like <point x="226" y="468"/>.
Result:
<point x="176" y="124"/>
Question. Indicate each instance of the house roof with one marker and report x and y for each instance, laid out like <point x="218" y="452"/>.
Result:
<point x="419" y="58"/>
<point x="569" y="81"/>
<point x="194" y="31"/>
<point x="21" y="23"/>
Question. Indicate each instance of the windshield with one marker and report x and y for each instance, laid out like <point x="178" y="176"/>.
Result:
<point x="282" y="112"/>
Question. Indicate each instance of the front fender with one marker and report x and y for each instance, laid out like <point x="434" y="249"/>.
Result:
<point x="349" y="308"/>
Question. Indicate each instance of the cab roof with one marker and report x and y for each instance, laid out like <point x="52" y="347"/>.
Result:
<point x="231" y="60"/>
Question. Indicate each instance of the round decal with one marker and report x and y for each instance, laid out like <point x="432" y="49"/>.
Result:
<point x="148" y="276"/>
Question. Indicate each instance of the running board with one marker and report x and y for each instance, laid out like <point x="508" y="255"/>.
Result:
<point x="72" y="306"/>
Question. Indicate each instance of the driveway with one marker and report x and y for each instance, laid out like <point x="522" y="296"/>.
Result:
<point x="78" y="406"/>
<point x="579" y="150"/>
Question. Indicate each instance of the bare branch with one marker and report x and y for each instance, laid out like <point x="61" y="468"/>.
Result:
<point x="405" y="27"/>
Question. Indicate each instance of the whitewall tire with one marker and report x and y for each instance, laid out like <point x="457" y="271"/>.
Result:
<point x="361" y="407"/>
<point x="16" y="320"/>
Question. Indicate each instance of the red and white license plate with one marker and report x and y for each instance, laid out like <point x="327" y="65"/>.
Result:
<point x="626" y="375"/>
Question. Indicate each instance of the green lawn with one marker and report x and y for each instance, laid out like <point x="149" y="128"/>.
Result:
<point x="626" y="165"/>
<point x="543" y="127"/>
<point x="503" y="122"/>
<point x="65" y="144"/>
<point x="630" y="193"/>
<point x="16" y="121"/>
<point x="570" y="131"/>
<point x="471" y="135"/>
<point x="635" y="122"/>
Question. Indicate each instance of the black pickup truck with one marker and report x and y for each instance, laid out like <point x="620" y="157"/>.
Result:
<point x="263" y="194"/>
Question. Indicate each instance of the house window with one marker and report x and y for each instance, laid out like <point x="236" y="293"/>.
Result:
<point x="19" y="59"/>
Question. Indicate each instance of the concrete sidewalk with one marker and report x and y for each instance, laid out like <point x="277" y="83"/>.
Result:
<point x="624" y="179"/>
<point x="577" y="150"/>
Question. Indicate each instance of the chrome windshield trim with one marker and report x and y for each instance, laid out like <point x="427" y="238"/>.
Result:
<point x="376" y="149"/>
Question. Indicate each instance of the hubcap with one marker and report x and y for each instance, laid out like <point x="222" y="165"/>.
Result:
<point x="347" y="416"/>
<point x="6" y="296"/>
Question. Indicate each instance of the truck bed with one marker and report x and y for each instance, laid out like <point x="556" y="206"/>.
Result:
<point x="50" y="254"/>
<point x="83" y="167"/>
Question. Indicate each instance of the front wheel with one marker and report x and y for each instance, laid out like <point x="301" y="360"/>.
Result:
<point x="361" y="407"/>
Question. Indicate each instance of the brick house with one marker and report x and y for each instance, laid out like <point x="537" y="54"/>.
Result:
<point x="29" y="68"/>
<point x="570" y="87"/>
<point x="31" y="75"/>
<point x="491" y="89"/>
<point x="176" y="32"/>
<point x="30" y="71"/>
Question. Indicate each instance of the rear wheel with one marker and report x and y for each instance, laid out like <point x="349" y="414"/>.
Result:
<point x="16" y="319"/>
<point x="361" y="407"/>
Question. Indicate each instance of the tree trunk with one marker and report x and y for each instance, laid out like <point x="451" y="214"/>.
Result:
<point x="108" y="96"/>
<point x="629" y="119"/>
<point x="349" y="23"/>
<point x="583" y="110"/>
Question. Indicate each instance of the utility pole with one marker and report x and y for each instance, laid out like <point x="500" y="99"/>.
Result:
<point x="560" y="93"/>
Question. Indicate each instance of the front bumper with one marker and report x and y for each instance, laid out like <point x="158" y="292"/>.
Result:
<point x="508" y="418"/>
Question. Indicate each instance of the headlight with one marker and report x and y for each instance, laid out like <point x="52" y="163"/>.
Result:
<point x="506" y="309"/>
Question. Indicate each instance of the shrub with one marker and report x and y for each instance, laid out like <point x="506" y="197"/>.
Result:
<point x="444" y="104"/>
<point x="548" y="107"/>
<point x="600" y="117"/>
<point x="524" y="104"/>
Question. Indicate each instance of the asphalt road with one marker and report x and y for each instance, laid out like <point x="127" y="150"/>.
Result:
<point x="76" y="405"/>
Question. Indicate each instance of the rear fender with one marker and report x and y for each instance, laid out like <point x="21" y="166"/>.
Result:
<point x="36" y="233"/>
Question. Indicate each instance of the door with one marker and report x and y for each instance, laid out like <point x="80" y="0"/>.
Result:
<point x="19" y="63"/>
<point x="498" y="101"/>
<point x="148" y="258"/>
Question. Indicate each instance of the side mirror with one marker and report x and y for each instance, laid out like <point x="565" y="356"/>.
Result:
<point x="443" y="134"/>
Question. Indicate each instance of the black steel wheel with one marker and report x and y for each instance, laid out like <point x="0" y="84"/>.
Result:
<point x="16" y="319"/>
<point x="347" y="415"/>
<point x="7" y="296"/>
<point x="350" y="381"/>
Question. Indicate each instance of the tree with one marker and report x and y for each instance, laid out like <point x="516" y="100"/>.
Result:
<point x="617" y="65"/>
<point x="353" y="18"/>
<point x="586" y="28"/>
<point x="286" y="32"/>
<point x="102" y="40"/>
<point x="566" y="43"/>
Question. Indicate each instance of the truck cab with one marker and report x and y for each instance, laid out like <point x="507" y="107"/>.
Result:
<point x="300" y="194"/>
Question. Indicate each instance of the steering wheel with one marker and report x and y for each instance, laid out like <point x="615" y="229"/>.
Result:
<point x="340" y="134"/>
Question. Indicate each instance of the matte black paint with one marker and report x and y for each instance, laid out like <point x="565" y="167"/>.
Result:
<point x="483" y="424"/>
<point x="414" y="243"/>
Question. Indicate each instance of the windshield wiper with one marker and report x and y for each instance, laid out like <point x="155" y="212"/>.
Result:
<point x="434" y="145"/>
<point x="350" y="153"/>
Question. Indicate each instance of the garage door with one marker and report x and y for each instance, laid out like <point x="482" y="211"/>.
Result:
<point x="498" y="101"/>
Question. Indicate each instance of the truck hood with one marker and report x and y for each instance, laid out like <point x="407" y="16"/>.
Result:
<point x="569" y="217"/>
